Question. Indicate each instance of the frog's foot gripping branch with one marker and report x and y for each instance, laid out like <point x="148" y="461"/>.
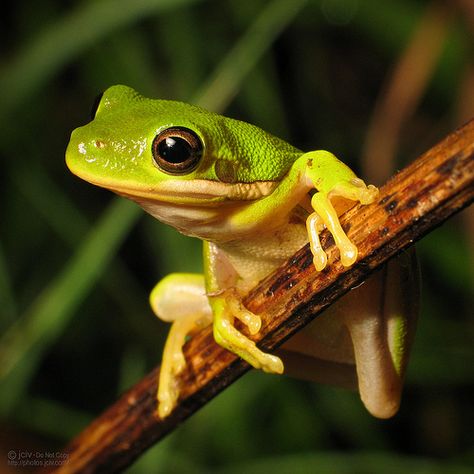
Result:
<point x="200" y="310"/>
<point x="228" y="306"/>
<point x="340" y="183"/>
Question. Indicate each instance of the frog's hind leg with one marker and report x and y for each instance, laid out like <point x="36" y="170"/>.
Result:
<point x="363" y="340"/>
<point x="179" y="298"/>
<point x="382" y="323"/>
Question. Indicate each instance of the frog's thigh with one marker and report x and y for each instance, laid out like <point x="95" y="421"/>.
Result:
<point x="180" y="296"/>
<point x="363" y="339"/>
<point x="381" y="318"/>
<point x="322" y="352"/>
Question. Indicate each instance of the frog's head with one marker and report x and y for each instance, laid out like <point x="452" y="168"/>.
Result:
<point x="165" y="154"/>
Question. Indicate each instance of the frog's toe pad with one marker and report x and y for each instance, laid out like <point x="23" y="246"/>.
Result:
<point x="165" y="407"/>
<point x="272" y="364"/>
<point x="348" y="253"/>
<point x="167" y="396"/>
<point x="320" y="259"/>
<point x="368" y="194"/>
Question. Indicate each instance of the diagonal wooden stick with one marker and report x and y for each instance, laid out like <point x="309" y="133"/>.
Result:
<point x="412" y="203"/>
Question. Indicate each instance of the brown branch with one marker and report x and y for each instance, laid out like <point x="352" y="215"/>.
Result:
<point x="419" y="198"/>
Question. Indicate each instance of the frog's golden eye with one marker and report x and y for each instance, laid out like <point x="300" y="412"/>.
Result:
<point x="177" y="150"/>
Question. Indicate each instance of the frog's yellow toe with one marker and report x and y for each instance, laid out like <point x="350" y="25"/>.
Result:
<point x="348" y="253"/>
<point x="320" y="259"/>
<point x="272" y="364"/>
<point x="233" y="340"/>
<point x="369" y="194"/>
<point x="165" y="405"/>
<point x="168" y="391"/>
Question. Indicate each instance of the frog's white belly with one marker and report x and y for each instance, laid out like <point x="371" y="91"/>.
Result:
<point x="258" y="256"/>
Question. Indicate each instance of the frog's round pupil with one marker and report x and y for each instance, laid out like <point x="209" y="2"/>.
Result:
<point x="174" y="149"/>
<point x="177" y="150"/>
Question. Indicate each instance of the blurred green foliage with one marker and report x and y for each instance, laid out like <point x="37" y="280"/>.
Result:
<point x="76" y="264"/>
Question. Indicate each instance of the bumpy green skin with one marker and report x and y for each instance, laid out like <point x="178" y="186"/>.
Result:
<point x="235" y="151"/>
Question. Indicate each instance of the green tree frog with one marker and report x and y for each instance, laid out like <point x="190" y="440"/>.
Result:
<point x="253" y="200"/>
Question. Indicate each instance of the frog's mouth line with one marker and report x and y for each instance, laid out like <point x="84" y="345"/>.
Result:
<point x="196" y="192"/>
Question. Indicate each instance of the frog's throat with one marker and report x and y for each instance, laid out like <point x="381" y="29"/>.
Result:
<point x="196" y="192"/>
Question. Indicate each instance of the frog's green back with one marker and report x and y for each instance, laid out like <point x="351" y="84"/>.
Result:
<point x="126" y="124"/>
<point x="247" y="153"/>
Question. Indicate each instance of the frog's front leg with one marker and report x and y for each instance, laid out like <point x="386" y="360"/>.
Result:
<point x="179" y="298"/>
<point x="335" y="186"/>
<point x="332" y="179"/>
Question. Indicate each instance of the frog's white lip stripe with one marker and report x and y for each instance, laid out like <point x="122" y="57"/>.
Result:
<point x="198" y="189"/>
